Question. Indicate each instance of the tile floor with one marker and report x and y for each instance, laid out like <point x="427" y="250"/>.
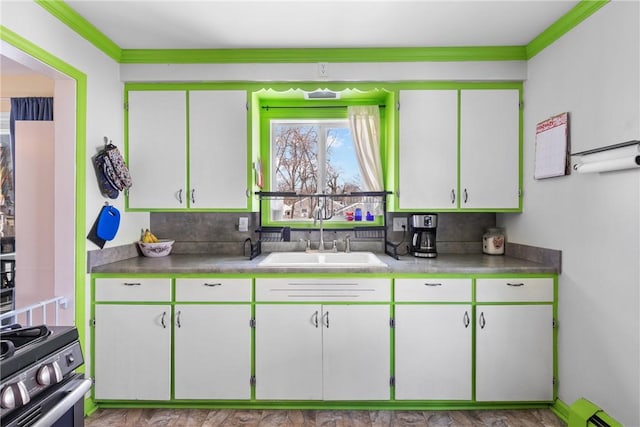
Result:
<point x="319" y="418"/>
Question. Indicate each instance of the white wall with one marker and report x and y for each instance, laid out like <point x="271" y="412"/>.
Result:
<point x="592" y="72"/>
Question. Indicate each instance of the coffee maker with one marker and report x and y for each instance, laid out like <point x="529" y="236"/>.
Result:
<point x="423" y="239"/>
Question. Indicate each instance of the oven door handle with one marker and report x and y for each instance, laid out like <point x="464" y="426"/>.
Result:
<point x="75" y="395"/>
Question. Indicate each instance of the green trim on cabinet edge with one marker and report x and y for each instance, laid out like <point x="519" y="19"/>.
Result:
<point x="375" y="405"/>
<point x="82" y="27"/>
<point x="561" y="410"/>
<point x="575" y="16"/>
<point x="88" y="31"/>
<point x="80" y="165"/>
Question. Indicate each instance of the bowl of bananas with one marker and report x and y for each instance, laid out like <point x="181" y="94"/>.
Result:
<point x="151" y="246"/>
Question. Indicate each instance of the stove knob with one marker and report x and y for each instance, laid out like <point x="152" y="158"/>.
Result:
<point x="14" y="396"/>
<point x="49" y="374"/>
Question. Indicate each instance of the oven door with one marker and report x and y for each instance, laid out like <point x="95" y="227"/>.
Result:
<point x="60" y="406"/>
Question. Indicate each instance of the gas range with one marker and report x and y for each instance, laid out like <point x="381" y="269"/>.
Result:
<point x="35" y="362"/>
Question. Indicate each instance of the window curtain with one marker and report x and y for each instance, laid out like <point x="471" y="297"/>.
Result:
<point x="364" y="121"/>
<point x="32" y="108"/>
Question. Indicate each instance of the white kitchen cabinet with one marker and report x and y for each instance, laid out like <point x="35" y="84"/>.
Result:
<point x="433" y="338"/>
<point x="330" y="352"/>
<point x="212" y="351"/>
<point x="514" y="340"/>
<point x="157" y="123"/>
<point x="132" y="352"/>
<point x="132" y="338"/>
<point x="459" y="154"/>
<point x="187" y="149"/>
<point x="321" y="351"/>
<point x="428" y="152"/>
<point x="218" y="149"/>
<point x="489" y="149"/>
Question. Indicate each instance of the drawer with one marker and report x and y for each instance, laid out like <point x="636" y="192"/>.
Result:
<point x="514" y="289"/>
<point x="128" y="289"/>
<point x="433" y="289"/>
<point x="213" y="289"/>
<point x="339" y="289"/>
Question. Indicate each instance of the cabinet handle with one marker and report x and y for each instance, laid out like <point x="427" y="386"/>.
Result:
<point x="178" y="319"/>
<point x="515" y="285"/>
<point x="164" y="314"/>
<point x="326" y="319"/>
<point x="466" y="195"/>
<point x="465" y="320"/>
<point x="453" y="197"/>
<point x="180" y="196"/>
<point x="433" y="284"/>
<point x="193" y="195"/>
<point x="212" y="285"/>
<point x="132" y="284"/>
<point x="482" y="321"/>
<point x="315" y="319"/>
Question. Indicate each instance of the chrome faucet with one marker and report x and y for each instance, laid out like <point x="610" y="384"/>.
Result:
<point x="318" y="216"/>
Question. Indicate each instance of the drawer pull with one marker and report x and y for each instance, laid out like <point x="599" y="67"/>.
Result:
<point x="465" y="320"/>
<point x="515" y="285"/>
<point x="482" y="321"/>
<point x="326" y="321"/>
<point x="433" y="284"/>
<point x="178" y="319"/>
<point x="164" y="314"/>
<point x="315" y="319"/>
<point x="132" y="284"/>
<point x="212" y="285"/>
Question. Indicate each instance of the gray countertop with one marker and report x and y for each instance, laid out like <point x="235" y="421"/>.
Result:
<point x="216" y="264"/>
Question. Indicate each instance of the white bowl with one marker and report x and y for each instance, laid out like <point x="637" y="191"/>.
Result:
<point x="162" y="248"/>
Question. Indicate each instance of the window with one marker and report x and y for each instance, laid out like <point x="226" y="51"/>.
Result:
<point x="310" y="157"/>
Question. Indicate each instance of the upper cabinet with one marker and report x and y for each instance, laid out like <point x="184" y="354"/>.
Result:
<point x="459" y="150"/>
<point x="188" y="150"/>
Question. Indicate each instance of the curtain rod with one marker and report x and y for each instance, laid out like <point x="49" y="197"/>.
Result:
<point x="266" y="107"/>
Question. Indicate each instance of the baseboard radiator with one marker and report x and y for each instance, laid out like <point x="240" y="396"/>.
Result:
<point x="586" y="414"/>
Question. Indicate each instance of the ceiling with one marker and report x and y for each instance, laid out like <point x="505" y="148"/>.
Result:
<point x="261" y="24"/>
<point x="264" y="24"/>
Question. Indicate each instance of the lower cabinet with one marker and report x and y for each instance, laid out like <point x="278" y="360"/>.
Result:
<point x="514" y="353"/>
<point x="514" y="339"/>
<point x="433" y="352"/>
<point x="322" y="352"/>
<point x="141" y="333"/>
<point x="212" y="351"/>
<point x="132" y="352"/>
<point x="433" y="339"/>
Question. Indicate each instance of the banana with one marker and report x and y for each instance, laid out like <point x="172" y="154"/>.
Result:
<point x="154" y="239"/>
<point x="146" y="238"/>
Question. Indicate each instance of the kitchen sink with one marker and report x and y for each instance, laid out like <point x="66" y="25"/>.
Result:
<point x="322" y="259"/>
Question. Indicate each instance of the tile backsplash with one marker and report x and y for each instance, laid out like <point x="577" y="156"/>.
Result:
<point x="217" y="233"/>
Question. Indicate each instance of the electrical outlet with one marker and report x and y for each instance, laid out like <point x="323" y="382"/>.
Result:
<point x="399" y="224"/>
<point x="243" y="223"/>
<point x="323" y="69"/>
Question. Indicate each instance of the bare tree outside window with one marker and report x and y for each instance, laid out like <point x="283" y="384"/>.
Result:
<point x="310" y="158"/>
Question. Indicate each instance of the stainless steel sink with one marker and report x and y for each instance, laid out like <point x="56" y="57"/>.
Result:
<point x="322" y="259"/>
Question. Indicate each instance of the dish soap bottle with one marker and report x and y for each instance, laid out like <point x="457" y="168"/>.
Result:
<point x="493" y="241"/>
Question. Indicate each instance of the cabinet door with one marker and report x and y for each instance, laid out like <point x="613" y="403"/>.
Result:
<point x="288" y="352"/>
<point x="433" y="352"/>
<point x="212" y="352"/>
<point x="356" y="352"/>
<point x="514" y="353"/>
<point x="428" y="158"/>
<point x="489" y="149"/>
<point x="218" y="149"/>
<point x="157" y="149"/>
<point x="133" y="352"/>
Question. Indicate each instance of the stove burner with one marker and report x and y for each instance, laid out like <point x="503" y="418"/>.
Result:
<point x="23" y="336"/>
